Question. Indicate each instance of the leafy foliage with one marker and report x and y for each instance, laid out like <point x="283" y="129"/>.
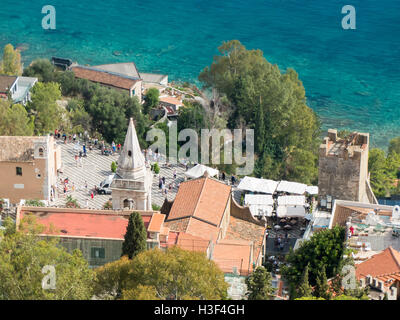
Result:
<point x="23" y="254"/>
<point x="304" y="289"/>
<point x="34" y="203"/>
<point x="259" y="285"/>
<point x="14" y="120"/>
<point x="44" y="107"/>
<point x="322" y="288"/>
<point x="260" y="97"/>
<point x="384" y="171"/>
<point x="151" y="100"/>
<point x="11" y="62"/>
<point x="71" y="202"/>
<point x="325" y="248"/>
<point x="43" y="69"/>
<point x="153" y="274"/>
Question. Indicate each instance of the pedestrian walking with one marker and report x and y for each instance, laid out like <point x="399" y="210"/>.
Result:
<point x="92" y="195"/>
<point x="174" y="173"/>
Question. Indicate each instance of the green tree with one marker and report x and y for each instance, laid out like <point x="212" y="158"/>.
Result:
<point x="71" y="202"/>
<point x="383" y="171"/>
<point x="14" y="120"/>
<point x="11" y="62"/>
<point x="44" y="106"/>
<point x="259" y="286"/>
<point x="394" y="145"/>
<point x="322" y="289"/>
<point x="254" y="88"/>
<point x="156" y="168"/>
<point x="323" y="248"/>
<point x="112" y="278"/>
<point x="151" y="100"/>
<point x="153" y="274"/>
<point x="135" y="237"/>
<point x="23" y="254"/>
<point x="304" y="289"/>
<point x="42" y="69"/>
<point x="113" y="166"/>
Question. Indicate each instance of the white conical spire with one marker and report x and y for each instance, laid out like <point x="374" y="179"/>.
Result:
<point x="131" y="162"/>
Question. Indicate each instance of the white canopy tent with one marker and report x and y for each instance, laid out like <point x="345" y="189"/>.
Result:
<point x="258" y="185"/>
<point x="261" y="210"/>
<point x="291" y="187"/>
<point x="312" y="190"/>
<point x="291" y="201"/>
<point x="198" y="171"/>
<point x="261" y="199"/>
<point x="287" y="211"/>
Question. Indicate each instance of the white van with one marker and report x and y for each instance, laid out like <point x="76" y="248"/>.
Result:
<point x="105" y="186"/>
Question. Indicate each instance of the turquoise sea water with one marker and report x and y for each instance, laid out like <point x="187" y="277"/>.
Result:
<point x="352" y="77"/>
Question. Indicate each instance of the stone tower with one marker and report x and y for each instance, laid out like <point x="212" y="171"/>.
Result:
<point x="131" y="187"/>
<point x="343" y="169"/>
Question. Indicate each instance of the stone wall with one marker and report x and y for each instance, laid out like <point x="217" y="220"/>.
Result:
<point x="343" y="167"/>
<point x="243" y="213"/>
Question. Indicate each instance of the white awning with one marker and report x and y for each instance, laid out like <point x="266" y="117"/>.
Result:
<point x="261" y="210"/>
<point x="258" y="185"/>
<point x="291" y="187"/>
<point x="262" y="199"/>
<point x="198" y="171"/>
<point x="312" y="190"/>
<point x="284" y="211"/>
<point x="291" y="201"/>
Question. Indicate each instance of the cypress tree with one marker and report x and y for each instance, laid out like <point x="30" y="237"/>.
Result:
<point x="135" y="236"/>
<point x="322" y="286"/>
<point x="304" y="289"/>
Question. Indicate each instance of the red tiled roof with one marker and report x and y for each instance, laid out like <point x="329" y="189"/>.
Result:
<point x="192" y="243"/>
<point x="6" y="82"/>
<point x="204" y="198"/>
<point x="171" y="100"/>
<point x="386" y="263"/>
<point x="85" y="225"/>
<point x="104" y="77"/>
<point x="229" y="254"/>
<point x="156" y="222"/>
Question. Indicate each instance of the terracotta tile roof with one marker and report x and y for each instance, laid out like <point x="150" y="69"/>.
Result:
<point x="82" y="223"/>
<point x="198" y="207"/>
<point x="104" y="77"/>
<point x="177" y="225"/>
<point x="202" y="229"/>
<point x="386" y="263"/>
<point x="18" y="148"/>
<point x="228" y="255"/>
<point x="171" y="100"/>
<point x="6" y="82"/>
<point x="189" y="242"/>
<point x="156" y="222"/>
<point x="204" y="198"/>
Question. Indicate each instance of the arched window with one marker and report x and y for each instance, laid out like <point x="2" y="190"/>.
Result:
<point x="41" y="152"/>
<point x="130" y="153"/>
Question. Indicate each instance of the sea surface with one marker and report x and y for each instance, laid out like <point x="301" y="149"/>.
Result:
<point x="351" y="77"/>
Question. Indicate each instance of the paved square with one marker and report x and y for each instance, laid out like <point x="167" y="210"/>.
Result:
<point x="94" y="169"/>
